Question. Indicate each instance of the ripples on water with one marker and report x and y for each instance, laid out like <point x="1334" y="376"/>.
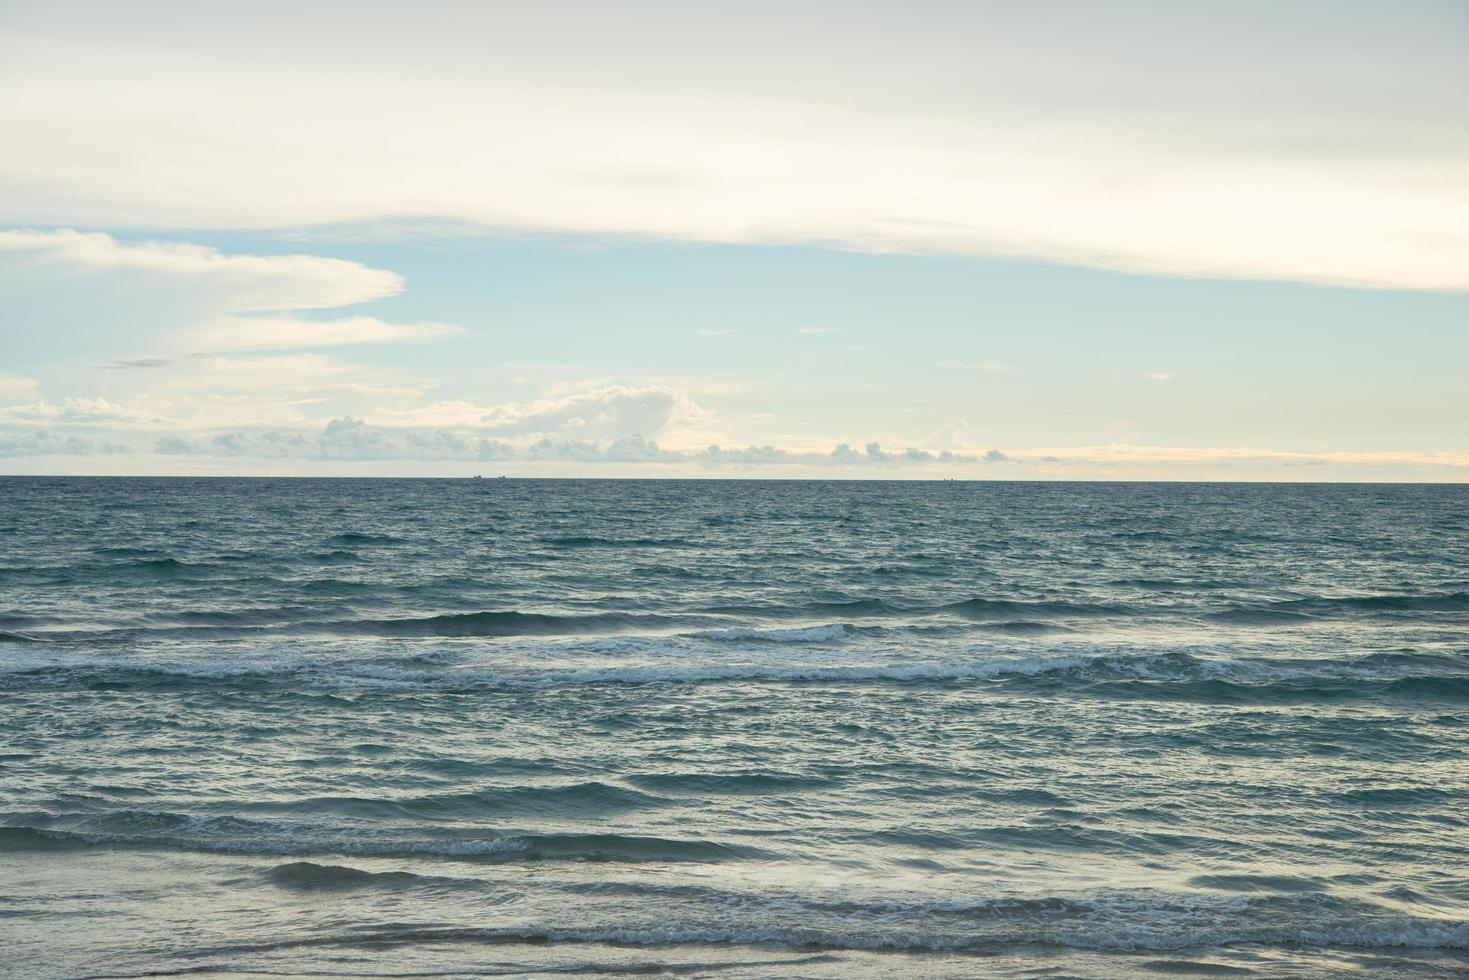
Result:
<point x="745" y="729"/>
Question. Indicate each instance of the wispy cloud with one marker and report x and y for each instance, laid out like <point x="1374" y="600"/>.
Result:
<point x="1008" y="132"/>
<point x="1126" y="454"/>
<point x="134" y="363"/>
<point x="992" y="367"/>
<point x="80" y="410"/>
<point x="227" y="283"/>
<point x="284" y="332"/>
<point x="15" y="386"/>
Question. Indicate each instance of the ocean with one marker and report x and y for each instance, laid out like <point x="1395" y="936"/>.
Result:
<point x="732" y="728"/>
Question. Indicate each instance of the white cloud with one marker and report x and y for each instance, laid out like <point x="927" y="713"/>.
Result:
<point x="283" y="332"/>
<point x="1338" y="157"/>
<point x="606" y="412"/>
<point x="355" y="439"/>
<point x="85" y="410"/>
<point x="44" y="442"/>
<point x="1124" y="454"/>
<point x="90" y="289"/>
<point x="287" y="375"/>
<point x="524" y="434"/>
<point x="13" y="386"/>
<point x="70" y="292"/>
<point x="226" y="283"/>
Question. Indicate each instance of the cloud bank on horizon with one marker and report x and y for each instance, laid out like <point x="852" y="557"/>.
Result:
<point x="1313" y="143"/>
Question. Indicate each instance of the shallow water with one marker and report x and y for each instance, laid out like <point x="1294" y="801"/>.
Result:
<point x="733" y="728"/>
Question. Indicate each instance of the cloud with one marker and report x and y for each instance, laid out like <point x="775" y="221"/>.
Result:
<point x="356" y="439"/>
<point x="1126" y="454"/>
<point x="139" y="362"/>
<point x="341" y="439"/>
<point x="44" y="442"/>
<point x="226" y="283"/>
<point x="608" y="412"/>
<point x="1158" y="376"/>
<point x="75" y="410"/>
<point x="989" y="366"/>
<point x="283" y="332"/>
<point x="636" y="449"/>
<point x="86" y="290"/>
<point x="276" y="376"/>
<point x="15" y="386"/>
<point x="1330" y="152"/>
<point x="81" y="427"/>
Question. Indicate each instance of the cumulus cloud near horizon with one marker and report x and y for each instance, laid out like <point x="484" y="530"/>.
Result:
<point x="350" y="438"/>
<point x="83" y="427"/>
<point x="604" y="411"/>
<point x="48" y="442"/>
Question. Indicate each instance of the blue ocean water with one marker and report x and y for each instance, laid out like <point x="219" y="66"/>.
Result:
<point x="486" y="727"/>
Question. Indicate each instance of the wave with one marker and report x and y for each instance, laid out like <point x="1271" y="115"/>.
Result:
<point x="1005" y="609"/>
<point x="1259" y="616"/>
<point x="243" y="616"/>
<point x="160" y="830"/>
<point x="1110" y="921"/>
<point x="264" y="606"/>
<point x="337" y="556"/>
<point x="594" y="541"/>
<point x="154" y="569"/>
<point x="1404" y="933"/>
<point x="1173" y="675"/>
<point x="1287" y="611"/>
<point x="130" y="552"/>
<point x="29" y="839"/>
<point x="501" y="623"/>
<point x="572" y="798"/>
<point x="728" y="783"/>
<point x="287" y="622"/>
<point x="1420" y="602"/>
<point x="1216" y="911"/>
<point x="805" y="634"/>
<point x="356" y="538"/>
<point x="836" y="609"/>
<point x="310" y="876"/>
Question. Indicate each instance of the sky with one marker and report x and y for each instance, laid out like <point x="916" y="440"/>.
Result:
<point x="969" y="240"/>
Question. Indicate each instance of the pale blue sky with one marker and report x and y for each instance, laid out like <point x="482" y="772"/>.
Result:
<point x="1225" y="241"/>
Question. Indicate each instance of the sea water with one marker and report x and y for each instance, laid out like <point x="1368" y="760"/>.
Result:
<point x="483" y="727"/>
